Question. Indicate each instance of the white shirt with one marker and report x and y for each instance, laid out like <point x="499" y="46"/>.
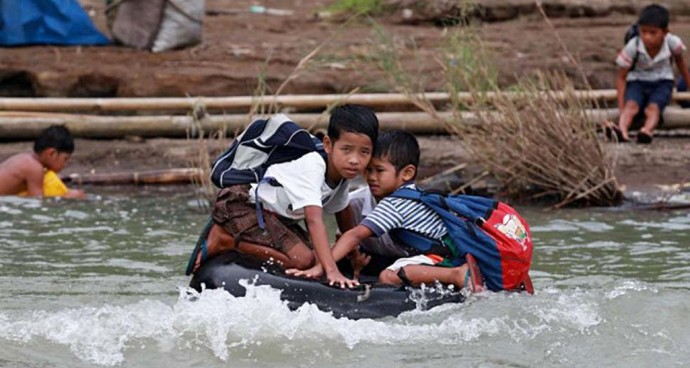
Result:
<point x="646" y="67"/>
<point x="302" y="183"/>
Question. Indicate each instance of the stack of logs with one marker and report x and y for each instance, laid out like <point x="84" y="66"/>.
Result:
<point x="24" y="118"/>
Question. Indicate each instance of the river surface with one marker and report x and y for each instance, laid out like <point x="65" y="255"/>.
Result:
<point x="101" y="283"/>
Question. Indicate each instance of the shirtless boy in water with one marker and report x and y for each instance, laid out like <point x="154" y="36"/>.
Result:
<point x="24" y="173"/>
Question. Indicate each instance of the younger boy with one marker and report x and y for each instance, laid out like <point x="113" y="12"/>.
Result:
<point x="393" y="166"/>
<point x="645" y="76"/>
<point x="304" y="188"/>
<point x="35" y="173"/>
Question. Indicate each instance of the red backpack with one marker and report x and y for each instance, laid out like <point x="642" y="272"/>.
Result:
<point x="491" y="231"/>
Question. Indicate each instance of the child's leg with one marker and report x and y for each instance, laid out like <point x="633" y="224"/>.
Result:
<point x="627" y="115"/>
<point x="219" y="241"/>
<point x="651" y="118"/>
<point x="279" y="238"/>
<point x="659" y="98"/>
<point x="634" y="98"/>
<point x="239" y="220"/>
<point x="423" y="274"/>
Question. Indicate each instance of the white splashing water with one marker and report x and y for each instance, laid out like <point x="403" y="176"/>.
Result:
<point x="225" y="325"/>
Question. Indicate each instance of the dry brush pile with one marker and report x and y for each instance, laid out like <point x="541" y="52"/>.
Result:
<point x="538" y="138"/>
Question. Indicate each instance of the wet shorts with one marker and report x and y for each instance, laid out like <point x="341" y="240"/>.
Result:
<point x="647" y="92"/>
<point x="451" y="259"/>
<point x="426" y="260"/>
<point x="233" y="212"/>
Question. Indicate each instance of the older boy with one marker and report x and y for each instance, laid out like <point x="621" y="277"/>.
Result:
<point x="35" y="173"/>
<point x="302" y="189"/>
<point x="645" y="76"/>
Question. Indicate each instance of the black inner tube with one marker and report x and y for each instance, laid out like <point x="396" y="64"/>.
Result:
<point x="369" y="300"/>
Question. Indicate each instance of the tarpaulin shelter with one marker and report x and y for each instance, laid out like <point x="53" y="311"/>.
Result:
<point x="46" y="22"/>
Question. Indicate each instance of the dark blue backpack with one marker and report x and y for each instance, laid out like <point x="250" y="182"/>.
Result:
<point x="262" y="144"/>
<point x="491" y="231"/>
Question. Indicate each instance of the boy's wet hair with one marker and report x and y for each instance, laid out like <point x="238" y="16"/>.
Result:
<point x="399" y="147"/>
<point x="353" y="119"/>
<point x="55" y="136"/>
<point x="655" y="16"/>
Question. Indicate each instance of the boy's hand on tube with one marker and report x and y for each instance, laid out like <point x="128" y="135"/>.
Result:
<point x="335" y="278"/>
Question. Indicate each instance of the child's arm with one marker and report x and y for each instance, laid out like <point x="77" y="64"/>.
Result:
<point x="319" y="237"/>
<point x="343" y="246"/>
<point x="620" y="87"/>
<point x="345" y="219"/>
<point x="349" y="241"/>
<point x="683" y="69"/>
<point x="75" y="193"/>
<point x="33" y="173"/>
<point x="625" y="60"/>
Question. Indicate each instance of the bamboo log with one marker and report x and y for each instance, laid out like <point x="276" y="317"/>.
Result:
<point x="90" y="126"/>
<point x="166" y="176"/>
<point x="296" y="101"/>
<point x="17" y="127"/>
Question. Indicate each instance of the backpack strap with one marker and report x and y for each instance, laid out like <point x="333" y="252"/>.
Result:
<point x="637" y="54"/>
<point x="259" y="214"/>
<point x="421" y="244"/>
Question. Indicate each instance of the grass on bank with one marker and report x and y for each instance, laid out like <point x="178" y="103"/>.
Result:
<point x="538" y="145"/>
<point x="364" y="7"/>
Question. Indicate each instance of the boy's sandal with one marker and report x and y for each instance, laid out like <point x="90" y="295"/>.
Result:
<point x="474" y="280"/>
<point x="526" y="285"/>
<point x="644" y="138"/>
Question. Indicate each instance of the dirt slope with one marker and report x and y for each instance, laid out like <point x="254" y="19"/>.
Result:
<point x="239" y="45"/>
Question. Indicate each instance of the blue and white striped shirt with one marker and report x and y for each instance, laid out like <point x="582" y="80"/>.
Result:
<point x="401" y="213"/>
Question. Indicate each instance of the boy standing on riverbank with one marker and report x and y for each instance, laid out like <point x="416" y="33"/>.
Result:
<point x="35" y="173"/>
<point x="645" y="78"/>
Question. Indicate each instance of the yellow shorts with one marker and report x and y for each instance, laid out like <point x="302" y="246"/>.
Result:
<point x="52" y="186"/>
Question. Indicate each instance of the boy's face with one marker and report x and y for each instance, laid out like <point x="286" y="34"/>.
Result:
<point x="348" y="156"/>
<point x="383" y="178"/>
<point x="53" y="159"/>
<point x="652" y="37"/>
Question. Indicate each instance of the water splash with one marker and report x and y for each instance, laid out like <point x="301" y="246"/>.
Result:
<point x="231" y="327"/>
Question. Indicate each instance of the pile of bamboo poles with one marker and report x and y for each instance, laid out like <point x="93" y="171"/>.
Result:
<point x="245" y="102"/>
<point x="24" y="118"/>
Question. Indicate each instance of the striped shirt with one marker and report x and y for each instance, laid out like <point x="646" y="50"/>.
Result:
<point x="401" y="213"/>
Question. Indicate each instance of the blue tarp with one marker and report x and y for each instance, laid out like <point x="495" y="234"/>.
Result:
<point x="41" y="22"/>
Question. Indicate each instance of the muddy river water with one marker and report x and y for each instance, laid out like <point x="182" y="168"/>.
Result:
<point x="101" y="283"/>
